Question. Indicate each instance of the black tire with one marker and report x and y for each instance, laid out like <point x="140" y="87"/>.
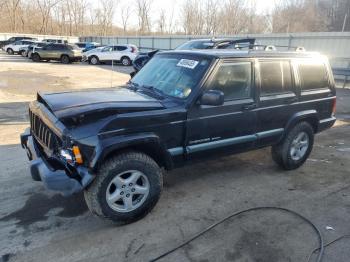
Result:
<point x="22" y="52"/>
<point x="95" y="194"/>
<point x="65" y="59"/>
<point x="282" y="154"/>
<point x="126" y="61"/>
<point x="94" y="60"/>
<point x="10" y="51"/>
<point x="36" y="57"/>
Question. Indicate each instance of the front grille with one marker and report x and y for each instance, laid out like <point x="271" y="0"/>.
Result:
<point x="42" y="132"/>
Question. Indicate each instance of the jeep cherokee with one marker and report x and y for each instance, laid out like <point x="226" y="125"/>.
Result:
<point x="181" y="107"/>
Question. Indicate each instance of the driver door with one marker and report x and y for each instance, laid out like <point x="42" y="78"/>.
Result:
<point x="229" y="127"/>
<point x="106" y="53"/>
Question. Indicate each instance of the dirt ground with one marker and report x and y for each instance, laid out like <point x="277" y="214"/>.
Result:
<point x="37" y="225"/>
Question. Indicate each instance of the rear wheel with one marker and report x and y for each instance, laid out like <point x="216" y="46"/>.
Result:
<point x="94" y="60"/>
<point x="22" y="53"/>
<point x="10" y="51"/>
<point x="65" y="59"/>
<point x="35" y="57"/>
<point x="125" y="61"/>
<point x="295" y="148"/>
<point x="126" y="188"/>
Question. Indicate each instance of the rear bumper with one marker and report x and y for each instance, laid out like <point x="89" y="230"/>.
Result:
<point x="324" y="124"/>
<point x="58" y="180"/>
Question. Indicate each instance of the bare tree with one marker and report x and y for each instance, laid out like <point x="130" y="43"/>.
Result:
<point x="125" y="15"/>
<point x="143" y="13"/>
<point x="11" y="7"/>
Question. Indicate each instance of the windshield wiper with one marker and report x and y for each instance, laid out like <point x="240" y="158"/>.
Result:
<point x="133" y="86"/>
<point x="158" y="92"/>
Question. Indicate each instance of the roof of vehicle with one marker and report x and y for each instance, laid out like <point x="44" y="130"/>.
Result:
<point x="232" y="53"/>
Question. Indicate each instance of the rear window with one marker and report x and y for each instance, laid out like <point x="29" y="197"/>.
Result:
<point x="120" y="48"/>
<point x="313" y="75"/>
<point x="276" y="77"/>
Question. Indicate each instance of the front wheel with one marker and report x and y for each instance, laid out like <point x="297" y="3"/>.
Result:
<point x="94" y="60"/>
<point x="65" y="59"/>
<point x="10" y="51"/>
<point x="126" y="188"/>
<point x="295" y="148"/>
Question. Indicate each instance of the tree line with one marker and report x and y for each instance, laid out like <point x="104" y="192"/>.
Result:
<point x="193" y="17"/>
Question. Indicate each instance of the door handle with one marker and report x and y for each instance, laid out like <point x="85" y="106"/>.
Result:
<point x="249" y="107"/>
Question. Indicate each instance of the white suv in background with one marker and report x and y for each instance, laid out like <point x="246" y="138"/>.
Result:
<point x="121" y="53"/>
<point x="16" y="46"/>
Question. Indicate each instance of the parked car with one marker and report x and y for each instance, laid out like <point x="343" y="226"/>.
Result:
<point x="144" y="57"/>
<point x="55" y="41"/>
<point x="15" y="47"/>
<point x="14" y="39"/>
<point x="119" y="53"/>
<point x="181" y="107"/>
<point x="86" y="54"/>
<point x="36" y="46"/>
<point x="61" y="52"/>
<point x="86" y="46"/>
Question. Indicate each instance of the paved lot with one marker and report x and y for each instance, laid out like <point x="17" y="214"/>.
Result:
<point x="36" y="225"/>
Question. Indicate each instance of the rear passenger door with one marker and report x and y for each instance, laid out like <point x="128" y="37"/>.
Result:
<point x="278" y="99"/>
<point x="118" y="52"/>
<point x="229" y="127"/>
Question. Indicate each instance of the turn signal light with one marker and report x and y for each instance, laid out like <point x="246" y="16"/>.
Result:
<point x="334" y="107"/>
<point x="77" y="155"/>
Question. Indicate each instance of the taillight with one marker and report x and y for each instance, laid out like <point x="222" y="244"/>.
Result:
<point x="133" y="49"/>
<point x="334" y="107"/>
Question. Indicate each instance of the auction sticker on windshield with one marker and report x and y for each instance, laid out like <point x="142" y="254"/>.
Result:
<point x="187" y="63"/>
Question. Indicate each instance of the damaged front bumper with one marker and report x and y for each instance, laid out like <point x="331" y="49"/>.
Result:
<point x="60" y="180"/>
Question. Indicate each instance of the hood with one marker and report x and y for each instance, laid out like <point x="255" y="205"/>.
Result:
<point x="97" y="101"/>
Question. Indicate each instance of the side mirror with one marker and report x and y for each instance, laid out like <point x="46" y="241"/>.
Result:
<point x="212" y="98"/>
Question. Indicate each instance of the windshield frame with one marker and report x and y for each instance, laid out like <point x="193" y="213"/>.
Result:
<point x="197" y="86"/>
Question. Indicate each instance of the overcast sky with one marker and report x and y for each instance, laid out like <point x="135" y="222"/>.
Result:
<point x="263" y="6"/>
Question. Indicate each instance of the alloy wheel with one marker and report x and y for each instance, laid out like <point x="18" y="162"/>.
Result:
<point x="127" y="191"/>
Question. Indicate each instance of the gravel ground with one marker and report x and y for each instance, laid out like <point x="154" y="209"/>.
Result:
<point x="36" y="225"/>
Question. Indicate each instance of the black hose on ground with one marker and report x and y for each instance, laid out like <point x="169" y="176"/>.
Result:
<point x="318" y="232"/>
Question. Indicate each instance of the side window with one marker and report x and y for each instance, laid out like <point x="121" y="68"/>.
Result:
<point x="313" y="75"/>
<point x="234" y="80"/>
<point x="276" y="78"/>
<point x="121" y="48"/>
<point x="107" y="49"/>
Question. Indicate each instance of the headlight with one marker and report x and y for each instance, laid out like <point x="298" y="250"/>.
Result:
<point x="73" y="156"/>
<point x="66" y="155"/>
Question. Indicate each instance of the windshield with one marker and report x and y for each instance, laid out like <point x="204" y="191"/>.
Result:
<point x="172" y="75"/>
<point x="196" y="45"/>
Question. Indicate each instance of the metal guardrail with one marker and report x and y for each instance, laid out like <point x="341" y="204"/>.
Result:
<point x="343" y="72"/>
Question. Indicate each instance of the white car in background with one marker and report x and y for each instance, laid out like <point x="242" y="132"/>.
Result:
<point x="119" y="53"/>
<point x="16" y="46"/>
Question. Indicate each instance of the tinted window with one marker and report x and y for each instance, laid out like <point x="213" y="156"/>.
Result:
<point x="59" y="47"/>
<point x="313" y="75"/>
<point x="275" y="77"/>
<point x="234" y="80"/>
<point x="120" y="48"/>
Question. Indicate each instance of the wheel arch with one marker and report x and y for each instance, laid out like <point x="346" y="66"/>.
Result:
<point x="309" y="116"/>
<point x="147" y="144"/>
